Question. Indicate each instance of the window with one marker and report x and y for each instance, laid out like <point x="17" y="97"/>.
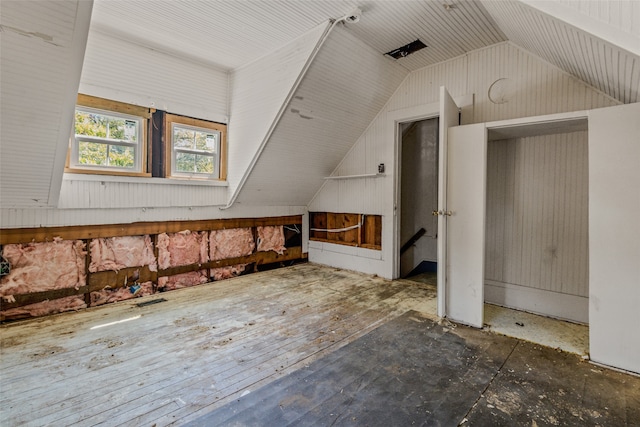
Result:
<point x="114" y="138"/>
<point x="197" y="148"/>
<point x="108" y="137"/>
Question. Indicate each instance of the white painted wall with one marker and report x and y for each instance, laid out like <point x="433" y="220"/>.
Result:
<point x="123" y="71"/>
<point x="614" y="236"/>
<point x="530" y="87"/>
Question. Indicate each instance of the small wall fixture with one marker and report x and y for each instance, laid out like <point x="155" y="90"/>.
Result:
<point x="407" y="49"/>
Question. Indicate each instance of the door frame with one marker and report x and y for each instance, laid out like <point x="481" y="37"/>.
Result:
<point x="395" y="118"/>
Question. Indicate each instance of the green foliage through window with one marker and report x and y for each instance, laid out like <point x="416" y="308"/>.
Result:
<point x="106" y="140"/>
<point x="196" y="150"/>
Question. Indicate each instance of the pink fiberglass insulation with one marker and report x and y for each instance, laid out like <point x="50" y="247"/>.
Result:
<point x="37" y="267"/>
<point x="183" y="280"/>
<point x="44" y="308"/>
<point x="231" y="243"/>
<point x="115" y="253"/>
<point x="271" y="238"/>
<point x="183" y="248"/>
<point x="106" y="295"/>
<point x="227" y="272"/>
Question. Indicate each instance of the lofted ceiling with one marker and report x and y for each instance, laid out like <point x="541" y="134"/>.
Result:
<point x="228" y="34"/>
<point x="43" y="46"/>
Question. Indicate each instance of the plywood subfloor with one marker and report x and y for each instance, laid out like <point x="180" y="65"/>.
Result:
<point x="205" y="346"/>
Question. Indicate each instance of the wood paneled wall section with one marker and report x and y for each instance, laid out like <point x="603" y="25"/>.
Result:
<point x="537" y="213"/>
<point x="368" y="235"/>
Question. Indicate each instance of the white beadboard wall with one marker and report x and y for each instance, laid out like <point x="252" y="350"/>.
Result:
<point x="601" y="64"/>
<point x="345" y="87"/>
<point x="533" y="87"/>
<point x="537" y="214"/>
<point x="123" y="71"/>
<point x="91" y="191"/>
<point x="258" y="92"/>
<point x="42" y="45"/>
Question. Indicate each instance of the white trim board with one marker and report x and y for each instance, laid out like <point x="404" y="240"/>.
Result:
<point x="538" y="301"/>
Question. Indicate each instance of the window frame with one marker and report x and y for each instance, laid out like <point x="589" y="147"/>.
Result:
<point x="198" y="125"/>
<point x="116" y="109"/>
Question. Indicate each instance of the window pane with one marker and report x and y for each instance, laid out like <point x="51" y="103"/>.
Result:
<point x="185" y="162"/>
<point x="90" y="153"/>
<point x="212" y="141"/>
<point x="116" y="129"/>
<point x="90" y="124"/>
<point x="206" y="141"/>
<point x="183" y="138"/>
<point x="204" y="164"/>
<point x="122" y="157"/>
<point x="122" y="129"/>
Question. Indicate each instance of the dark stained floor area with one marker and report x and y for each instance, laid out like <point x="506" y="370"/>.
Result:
<point x="413" y="371"/>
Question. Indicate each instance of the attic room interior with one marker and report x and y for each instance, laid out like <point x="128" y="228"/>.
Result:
<point x="319" y="212"/>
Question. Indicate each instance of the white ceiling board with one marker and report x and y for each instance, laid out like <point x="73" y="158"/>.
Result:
<point x="606" y="67"/>
<point x="612" y="21"/>
<point x="229" y="34"/>
<point x="42" y="45"/>
<point x="330" y="110"/>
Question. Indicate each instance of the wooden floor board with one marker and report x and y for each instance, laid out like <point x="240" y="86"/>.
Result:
<point x="236" y="334"/>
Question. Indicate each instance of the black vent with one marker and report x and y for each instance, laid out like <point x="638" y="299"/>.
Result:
<point x="407" y="49"/>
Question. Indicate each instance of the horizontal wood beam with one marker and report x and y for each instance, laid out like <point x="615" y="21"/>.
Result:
<point x="117" y="279"/>
<point x="257" y="257"/>
<point x="47" y="234"/>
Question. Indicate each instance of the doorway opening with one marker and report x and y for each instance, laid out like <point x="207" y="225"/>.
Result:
<point x="419" y="141"/>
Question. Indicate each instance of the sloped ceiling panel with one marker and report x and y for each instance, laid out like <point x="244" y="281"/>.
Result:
<point x="224" y="33"/>
<point x="346" y="86"/>
<point x="258" y="93"/>
<point x="621" y="14"/>
<point x="42" y="48"/>
<point x="231" y="34"/>
<point x="448" y="28"/>
<point x="602" y="65"/>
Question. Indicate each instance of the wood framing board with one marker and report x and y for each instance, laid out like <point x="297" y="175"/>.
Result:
<point x="116" y="279"/>
<point x="47" y="234"/>
<point x="205" y="346"/>
<point x="369" y="235"/>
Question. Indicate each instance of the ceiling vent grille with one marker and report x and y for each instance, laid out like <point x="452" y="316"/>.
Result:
<point x="407" y="49"/>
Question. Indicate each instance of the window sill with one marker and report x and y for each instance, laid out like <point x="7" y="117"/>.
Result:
<point x="143" y="180"/>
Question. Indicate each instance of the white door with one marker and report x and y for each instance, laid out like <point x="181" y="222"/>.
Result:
<point x="614" y="236"/>
<point x="465" y="218"/>
<point x="449" y="117"/>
